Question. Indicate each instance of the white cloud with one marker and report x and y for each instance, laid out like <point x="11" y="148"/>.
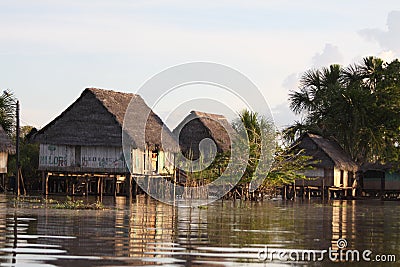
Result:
<point x="388" y="39"/>
<point x="283" y="116"/>
<point x="291" y="82"/>
<point x="330" y="55"/>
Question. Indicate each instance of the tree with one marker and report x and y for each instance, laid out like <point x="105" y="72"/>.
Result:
<point x="282" y="165"/>
<point x="357" y="106"/>
<point x="7" y="111"/>
<point x="288" y="166"/>
<point x="29" y="159"/>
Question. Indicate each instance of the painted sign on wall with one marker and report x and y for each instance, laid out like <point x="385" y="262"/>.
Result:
<point x="81" y="156"/>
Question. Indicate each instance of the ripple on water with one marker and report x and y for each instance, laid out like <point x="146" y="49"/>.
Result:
<point x="224" y="234"/>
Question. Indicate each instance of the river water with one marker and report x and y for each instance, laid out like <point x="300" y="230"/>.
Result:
<point x="225" y="233"/>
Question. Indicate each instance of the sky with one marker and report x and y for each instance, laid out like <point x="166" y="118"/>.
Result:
<point x="50" y="51"/>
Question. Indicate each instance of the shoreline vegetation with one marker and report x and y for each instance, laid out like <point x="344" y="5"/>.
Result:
<point x="355" y="106"/>
<point x="49" y="203"/>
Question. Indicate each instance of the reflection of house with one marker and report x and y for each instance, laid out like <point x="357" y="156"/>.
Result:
<point x="334" y="168"/>
<point x="85" y="141"/>
<point x="197" y="127"/>
<point x="343" y="221"/>
<point x="6" y="147"/>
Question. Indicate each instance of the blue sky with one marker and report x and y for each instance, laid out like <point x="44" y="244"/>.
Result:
<point x="51" y="50"/>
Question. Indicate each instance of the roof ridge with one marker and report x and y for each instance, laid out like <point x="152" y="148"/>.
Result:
<point x="322" y="142"/>
<point x="204" y="114"/>
<point x="102" y="95"/>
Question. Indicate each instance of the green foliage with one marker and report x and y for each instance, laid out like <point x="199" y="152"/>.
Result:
<point x="281" y="165"/>
<point x="78" y="205"/>
<point x="7" y="111"/>
<point x="69" y="203"/>
<point x="358" y="106"/>
<point x="255" y="148"/>
<point x="29" y="160"/>
<point x="288" y="165"/>
<point x="256" y="135"/>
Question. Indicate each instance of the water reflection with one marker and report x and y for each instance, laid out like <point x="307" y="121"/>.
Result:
<point x="226" y="233"/>
<point x="343" y="222"/>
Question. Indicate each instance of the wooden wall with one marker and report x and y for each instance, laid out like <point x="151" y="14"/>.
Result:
<point x="3" y="162"/>
<point x="152" y="162"/>
<point x="372" y="180"/>
<point x="81" y="158"/>
<point x="103" y="159"/>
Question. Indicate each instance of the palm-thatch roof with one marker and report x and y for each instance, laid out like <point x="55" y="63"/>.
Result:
<point x="5" y="142"/>
<point x="96" y="118"/>
<point x="327" y="148"/>
<point x="376" y="166"/>
<point x="199" y="125"/>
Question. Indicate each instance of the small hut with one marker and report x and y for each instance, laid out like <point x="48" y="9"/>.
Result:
<point x="198" y="126"/>
<point x="6" y="148"/>
<point x="81" y="150"/>
<point x="334" y="168"/>
<point x="378" y="179"/>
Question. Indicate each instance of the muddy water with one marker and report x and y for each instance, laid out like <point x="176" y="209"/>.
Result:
<point x="226" y="233"/>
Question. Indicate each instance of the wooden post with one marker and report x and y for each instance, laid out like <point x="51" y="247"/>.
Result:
<point x="294" y="190"/>
<point x="67" y="179"/>
<point x="114" y="186"/>
<point x="17" y="191"/>
<point x="323" y="188"/>
<point x="128" y="178"/>
<point x="46" y="183"/>
<point x="87" y="185"/>
<point x="3" y="184"/>
<point x="101" y="188"/>
<point x="43" y="183"/>
<point x="98" y="185"/>
<point x="134" y="187"/>
<point x="382" y="185"/>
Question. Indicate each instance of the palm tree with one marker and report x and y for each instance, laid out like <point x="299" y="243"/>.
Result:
<point x="358" y="106"/>
<point x="318" y="95"/>
<point x="7" y="111"/>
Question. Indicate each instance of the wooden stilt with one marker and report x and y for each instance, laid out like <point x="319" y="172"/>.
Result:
<point x="294" y="190"/>
<point x="3" y="182"/>
<point x="129" y="185"/>
<point x="87" y="186"/>
<point x="115" y="186"/>
<point x="67" y="185"/>
<point x="46" y="184"/>
<point x="98" y="185"/>
<point x="134" y="187"/>
<point x="101" y="188"/>
<point x="43" y="183"/>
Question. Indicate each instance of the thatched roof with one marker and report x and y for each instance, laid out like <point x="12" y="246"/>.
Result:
<point x="331" y="149"/>
<point x="199" y="125"/>
<point x="5" y="142"/>
<point x="376" y="166"/>
<point x="96" y="118"/>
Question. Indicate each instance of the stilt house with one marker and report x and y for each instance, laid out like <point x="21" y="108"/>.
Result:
<point x="198" y="126"/>
<point x="82" y="147"/>
<point x="6" y="148"/>
<point x="378" y="179"/>
<point x="334" y="168"/>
